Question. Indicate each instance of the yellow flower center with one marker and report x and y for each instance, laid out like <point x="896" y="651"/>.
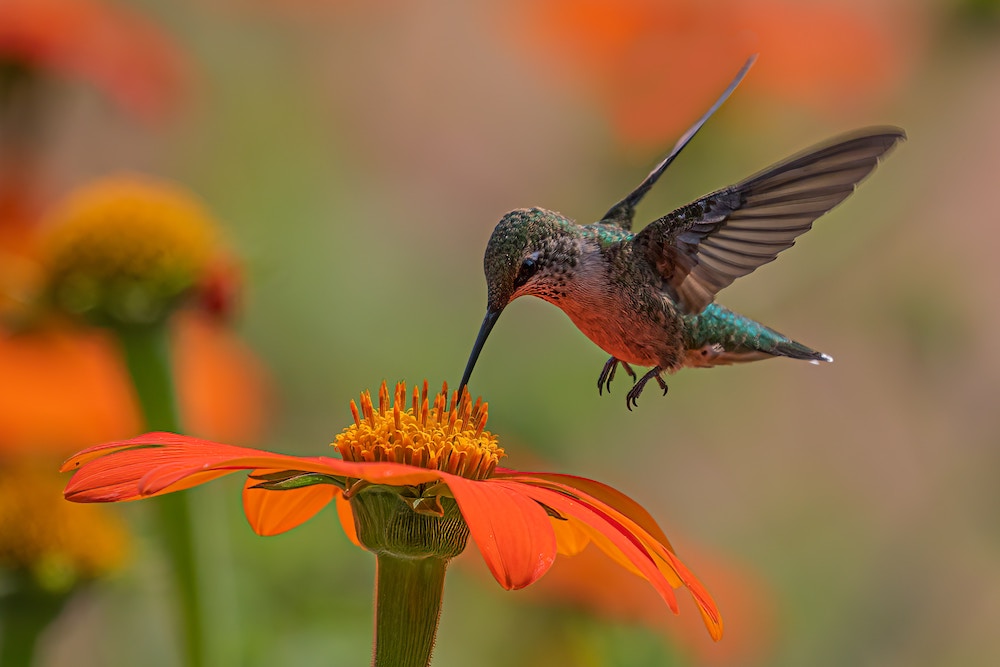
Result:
<point x="443" y="436"/>
<point x="127" y="247"/>
<point x="56" y="542"/>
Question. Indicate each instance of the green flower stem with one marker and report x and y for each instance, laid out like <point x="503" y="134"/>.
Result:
<point x="24" y="614"/>
<point x="147" y="356"/>
<point x="407" y="609"/>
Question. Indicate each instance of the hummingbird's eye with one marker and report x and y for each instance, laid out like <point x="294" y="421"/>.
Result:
<point x="528" y="268"/>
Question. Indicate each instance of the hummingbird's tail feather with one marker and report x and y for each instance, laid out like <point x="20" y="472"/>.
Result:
<point x="717" y="336"/>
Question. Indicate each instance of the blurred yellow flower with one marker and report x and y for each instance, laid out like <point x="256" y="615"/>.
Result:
<point x="57" y="544"/>
<point x="135" y="245"/>
<point x="126" y="248"/>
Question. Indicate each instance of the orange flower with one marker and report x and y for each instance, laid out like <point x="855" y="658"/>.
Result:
<point x="111" y="46"/>
<point x="61" y="387"/>
<point x="656" y="65"/>
<point x="222" y="386"/>
<point x="64" y="387"/>
<point x="430" y="456"/>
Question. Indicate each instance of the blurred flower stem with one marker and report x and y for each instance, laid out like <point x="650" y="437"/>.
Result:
<point x="147" y="357"/>
<point x="49" y="551"/>
<point x="407" y="609"/>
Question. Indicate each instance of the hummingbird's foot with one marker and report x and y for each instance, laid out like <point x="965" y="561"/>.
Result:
<point x="631" y="399"/>
<point x="608" y="374"/>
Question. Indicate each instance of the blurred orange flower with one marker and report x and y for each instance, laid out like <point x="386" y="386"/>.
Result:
<point x="61" y="387"/>
<point x="222" y="386"/>
<point x="588" y="582"/>
<point x="656" y="65"/>
<point x="64" y="387"/>
<point x="106" y="43"/>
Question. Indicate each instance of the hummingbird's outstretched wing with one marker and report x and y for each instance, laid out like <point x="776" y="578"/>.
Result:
<point x="622" y="213"/>
<point x="704" y="246"/>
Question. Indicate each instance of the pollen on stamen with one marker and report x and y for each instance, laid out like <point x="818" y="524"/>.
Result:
<point x="450" y="437"/>
<point x="440" y="402"/>
<point x="367" y="408"/>
<point x="395" y="413"/>
<point x="383" y="398"/>
<point x="482" y="421"/>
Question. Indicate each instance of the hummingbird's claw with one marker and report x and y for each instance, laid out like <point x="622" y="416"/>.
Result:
<point x="629" y="371"/>
<point x="608" y="374"/>
<point x="632" y="398"/>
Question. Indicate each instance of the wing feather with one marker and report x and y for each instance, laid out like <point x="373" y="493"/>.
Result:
<point x="701" y="248"/>
<point x="621" y="214"/>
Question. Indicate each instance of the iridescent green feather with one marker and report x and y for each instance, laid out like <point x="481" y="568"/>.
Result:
<point x="717" y="325"/>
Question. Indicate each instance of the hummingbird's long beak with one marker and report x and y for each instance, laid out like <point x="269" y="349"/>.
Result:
<point x="491" y="318"/>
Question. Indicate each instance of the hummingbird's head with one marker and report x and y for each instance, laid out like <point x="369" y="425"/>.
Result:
<point x="521" y="252"/>
<point x="518" y="257"/>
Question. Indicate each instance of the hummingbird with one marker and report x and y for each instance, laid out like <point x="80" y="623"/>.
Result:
<point x="647" y="297"/>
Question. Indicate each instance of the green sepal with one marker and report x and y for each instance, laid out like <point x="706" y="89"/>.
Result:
<point x="422" y="501"/>
<point x="428" y="506"/>
<point x="286" y="480"/>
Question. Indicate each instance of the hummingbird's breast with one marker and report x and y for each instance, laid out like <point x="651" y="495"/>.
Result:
<point x="617" y="304"/>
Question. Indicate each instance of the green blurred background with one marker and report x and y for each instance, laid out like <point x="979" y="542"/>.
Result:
<point x="359" y="155"/>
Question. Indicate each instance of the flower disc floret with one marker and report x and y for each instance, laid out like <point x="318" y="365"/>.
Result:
<point x="444" y="436"/>
<point x="127" y="248"/>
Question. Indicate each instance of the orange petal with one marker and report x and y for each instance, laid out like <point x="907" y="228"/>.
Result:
<point x="669" y="566"/>
<point x="274" y="512"/>
<point x="157" y="463"/>
<point x="97" y="451"/>
<point x="608" y="495"/>
<point x="571" y="539"/>
<point x="615" y="554"/>
<point x="512" y="532"/>
<point x="112" y="471"/>
<point x="635" y="519"/>
<point x="601" y="526"/>
<point x="346" y="516"/>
